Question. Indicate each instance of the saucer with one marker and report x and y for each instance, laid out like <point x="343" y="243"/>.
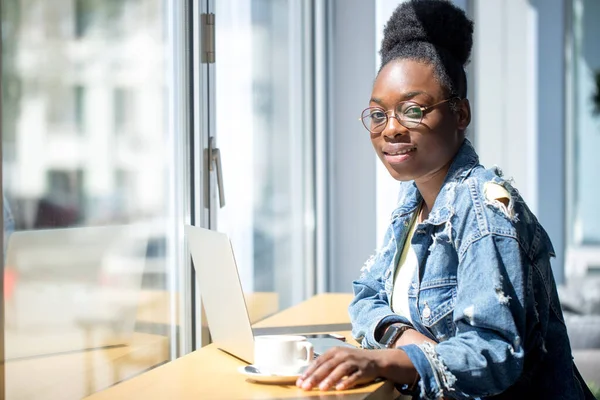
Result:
<point x="255" y="375"/>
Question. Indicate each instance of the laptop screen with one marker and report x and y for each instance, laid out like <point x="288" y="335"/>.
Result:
<point x="221" y="292"/>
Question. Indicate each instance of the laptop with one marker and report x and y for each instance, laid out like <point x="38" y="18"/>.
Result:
<point x="73" y="289"/>
<point x="224" y="302"/>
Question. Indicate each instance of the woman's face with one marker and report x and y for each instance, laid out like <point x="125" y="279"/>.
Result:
<point x="417" y="153"/>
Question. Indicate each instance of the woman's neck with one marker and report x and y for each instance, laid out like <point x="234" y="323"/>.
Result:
<point x="429" y="186"/>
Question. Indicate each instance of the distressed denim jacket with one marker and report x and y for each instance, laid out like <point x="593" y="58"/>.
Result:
<point x="484" y="291"/>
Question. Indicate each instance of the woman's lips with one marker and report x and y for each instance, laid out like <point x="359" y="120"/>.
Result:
<point x="398" y="154"/>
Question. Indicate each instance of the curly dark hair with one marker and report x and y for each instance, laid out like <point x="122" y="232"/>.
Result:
<point x="433" y="31"/>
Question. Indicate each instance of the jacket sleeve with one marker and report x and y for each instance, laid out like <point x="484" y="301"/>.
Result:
<point x="486" y="355"/>
<point x="370" y="307"/>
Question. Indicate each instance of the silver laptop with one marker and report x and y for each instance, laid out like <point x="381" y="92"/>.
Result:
<point x="73" y="289"/>
<point x="224" y="302"/>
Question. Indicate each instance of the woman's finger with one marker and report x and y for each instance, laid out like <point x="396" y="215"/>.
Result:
<point x="312" y="367"/>
<point x="318" y="374"/>
<point x="337" y="374"/>
<point x="351" y="381"/>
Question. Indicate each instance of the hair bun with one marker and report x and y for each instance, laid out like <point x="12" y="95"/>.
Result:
<point x="438" y="22"/>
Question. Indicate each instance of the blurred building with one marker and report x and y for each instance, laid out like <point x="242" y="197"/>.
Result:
<point x="84" y="119"/>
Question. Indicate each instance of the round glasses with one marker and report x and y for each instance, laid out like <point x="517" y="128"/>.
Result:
<point x="408" y="113"/>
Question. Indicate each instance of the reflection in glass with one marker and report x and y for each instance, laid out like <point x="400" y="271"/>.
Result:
<point x="85" y="177"/>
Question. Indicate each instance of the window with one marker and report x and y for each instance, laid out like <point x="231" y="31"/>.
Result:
<point x="79" y="109"/>
<point x="264" y="136"/>
<point x="107" y="164"/>
<point x="583" y="140"/>
<point x="63" y="202"/>
<point x="92" y="268"/>
<point x="95" y="16"/>
<point x="124" y="110"/>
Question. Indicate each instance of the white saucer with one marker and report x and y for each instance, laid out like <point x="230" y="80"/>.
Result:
<point x="254" y="375"/>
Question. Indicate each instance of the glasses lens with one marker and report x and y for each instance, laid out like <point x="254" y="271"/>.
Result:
<point x="411" y="114"/>
<point x="374" y="120"/>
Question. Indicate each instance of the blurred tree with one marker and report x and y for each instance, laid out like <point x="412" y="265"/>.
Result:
<point x="99" y="17"/>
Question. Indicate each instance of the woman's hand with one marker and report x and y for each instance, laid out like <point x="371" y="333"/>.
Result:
<point x="329" y="370"/>
<point x="343" y="368"/>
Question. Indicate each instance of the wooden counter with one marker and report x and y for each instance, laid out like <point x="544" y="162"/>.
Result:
<point x="209" y="373"/>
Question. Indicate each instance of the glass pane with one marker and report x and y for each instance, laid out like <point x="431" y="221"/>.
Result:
<point x="88" y="193"/>
<point x="585" y="80"/>
<point x="262" y="138"/>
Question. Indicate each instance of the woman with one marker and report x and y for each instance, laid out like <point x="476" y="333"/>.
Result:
<point x="460" y="299"/>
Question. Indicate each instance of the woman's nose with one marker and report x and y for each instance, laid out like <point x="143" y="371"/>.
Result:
<point x="394" y="127"/>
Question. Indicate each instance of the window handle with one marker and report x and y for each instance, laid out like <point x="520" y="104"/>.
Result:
<point x="215" y="164"/>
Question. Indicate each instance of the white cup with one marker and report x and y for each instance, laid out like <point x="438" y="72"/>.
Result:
<point x="282" y="354"/>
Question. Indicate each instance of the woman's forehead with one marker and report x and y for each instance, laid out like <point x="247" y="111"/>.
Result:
<point x="406" y="79"/>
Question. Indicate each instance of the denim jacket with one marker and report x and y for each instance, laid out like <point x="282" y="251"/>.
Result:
<point x="484" y="291"/>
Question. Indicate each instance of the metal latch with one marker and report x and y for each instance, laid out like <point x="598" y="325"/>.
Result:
<point x="215" y="166"/>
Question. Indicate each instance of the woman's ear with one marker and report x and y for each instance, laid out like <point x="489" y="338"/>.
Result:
<point x="463" y="114"/>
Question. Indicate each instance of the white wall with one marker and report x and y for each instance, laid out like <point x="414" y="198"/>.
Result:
<point x="352" y="166"/>
<point x="505" y="98"/>
<point x="387" y="187"/>
<point x="519" y="103"/>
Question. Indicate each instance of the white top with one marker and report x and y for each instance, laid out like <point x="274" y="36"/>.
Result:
<point x="407" y="265"/>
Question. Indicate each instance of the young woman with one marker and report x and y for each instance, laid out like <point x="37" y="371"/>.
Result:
<point x="460" y="300"/>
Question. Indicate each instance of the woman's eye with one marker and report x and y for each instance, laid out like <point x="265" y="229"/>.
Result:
<point x="377" y="116"/>
<point x="412" y="112"/>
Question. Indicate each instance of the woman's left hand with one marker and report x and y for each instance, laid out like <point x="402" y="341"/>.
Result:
<point x="342" y="368"/>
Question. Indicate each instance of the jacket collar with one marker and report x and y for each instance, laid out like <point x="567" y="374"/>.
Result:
<point x="409" y="198"/>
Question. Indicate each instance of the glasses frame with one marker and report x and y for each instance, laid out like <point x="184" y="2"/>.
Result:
<point x="424" y="110"/>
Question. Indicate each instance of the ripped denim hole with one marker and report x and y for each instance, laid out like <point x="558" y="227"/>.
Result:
<point x="502" y="298"/>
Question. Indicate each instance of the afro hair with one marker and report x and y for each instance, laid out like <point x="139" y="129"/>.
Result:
<point x="433" y="31"/>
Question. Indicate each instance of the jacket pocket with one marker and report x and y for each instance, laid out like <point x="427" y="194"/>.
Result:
<point x="436" y="307"/>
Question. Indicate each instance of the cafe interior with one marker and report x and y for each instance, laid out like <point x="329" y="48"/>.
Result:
<point x="128" y="123"/>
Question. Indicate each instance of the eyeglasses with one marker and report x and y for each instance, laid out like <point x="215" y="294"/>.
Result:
<point x="408" y="113"/>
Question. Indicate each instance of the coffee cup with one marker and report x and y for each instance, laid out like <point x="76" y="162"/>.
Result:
<point x="282" y="354"/>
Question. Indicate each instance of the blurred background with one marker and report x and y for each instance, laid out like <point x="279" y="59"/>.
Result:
<point x="108" y="110"/>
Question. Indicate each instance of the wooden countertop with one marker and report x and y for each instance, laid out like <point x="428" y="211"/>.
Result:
<point x="209" y="373"/>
